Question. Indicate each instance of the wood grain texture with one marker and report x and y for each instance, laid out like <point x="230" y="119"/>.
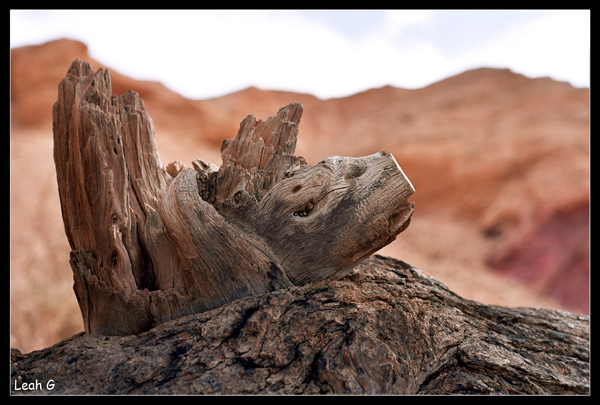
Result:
<point x="150" y="244"/>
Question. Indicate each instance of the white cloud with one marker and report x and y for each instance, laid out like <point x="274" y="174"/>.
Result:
<point x="555" y="44"/>
<point x="206" y="53"/>
<point x="396" y="22"/>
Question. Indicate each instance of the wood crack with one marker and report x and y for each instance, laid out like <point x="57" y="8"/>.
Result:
<point x="198" y="238"/>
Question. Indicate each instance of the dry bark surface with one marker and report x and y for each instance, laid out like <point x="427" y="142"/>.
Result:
<point x="386" y="328"/>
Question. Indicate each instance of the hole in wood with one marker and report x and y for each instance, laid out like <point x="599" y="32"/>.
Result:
<point x="114" y="259"/>
<point x="355" y="171"/>
<point x="238" y="197"/>
<point x="305" y="211"/>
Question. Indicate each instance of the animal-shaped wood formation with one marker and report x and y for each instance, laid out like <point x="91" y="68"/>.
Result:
<point x="151" y="244"/>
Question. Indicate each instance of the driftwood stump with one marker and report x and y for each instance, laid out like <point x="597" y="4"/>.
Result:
<point x="266" y="257"/>
<point x="150" y="244"/>
<point x="386" y="328"/>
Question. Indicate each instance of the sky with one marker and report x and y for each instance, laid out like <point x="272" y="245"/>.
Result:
<point x="328" y="53"/>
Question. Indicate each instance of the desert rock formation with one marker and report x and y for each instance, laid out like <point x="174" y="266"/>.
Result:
<point x="500" y="164"/>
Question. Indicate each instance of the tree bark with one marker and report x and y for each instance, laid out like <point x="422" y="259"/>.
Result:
<point x="386" y="328"/>
<point x="150" y="244"/>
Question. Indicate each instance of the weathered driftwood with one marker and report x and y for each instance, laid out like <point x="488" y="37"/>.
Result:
<point x="384" y="329"/>
<point x="150" y="244"/>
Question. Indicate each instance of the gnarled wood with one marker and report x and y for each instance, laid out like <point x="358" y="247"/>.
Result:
<point x="150" y="244"/>
<point x="386" y="328"/>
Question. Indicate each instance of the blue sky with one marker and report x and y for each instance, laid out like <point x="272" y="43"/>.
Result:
<point x="328" y="53"/>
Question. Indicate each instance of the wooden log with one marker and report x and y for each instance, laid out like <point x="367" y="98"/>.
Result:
<point x="110" y="183"/>
<point x="150" y="244"/>
<point x="386" y="328"/>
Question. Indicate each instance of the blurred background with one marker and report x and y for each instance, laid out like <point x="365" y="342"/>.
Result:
<point x="210" y="53"/>
<point x="487" y="112"/>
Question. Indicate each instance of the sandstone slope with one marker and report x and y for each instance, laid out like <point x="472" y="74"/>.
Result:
<point x="500" y="163"/>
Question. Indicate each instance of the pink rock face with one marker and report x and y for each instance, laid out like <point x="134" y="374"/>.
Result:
<point x="553" y="256"/>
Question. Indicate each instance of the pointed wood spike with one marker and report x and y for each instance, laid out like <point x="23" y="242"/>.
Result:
<point x="252" y="160"/>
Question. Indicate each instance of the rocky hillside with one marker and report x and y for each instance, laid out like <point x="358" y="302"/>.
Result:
<point x="500" y="164"/>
